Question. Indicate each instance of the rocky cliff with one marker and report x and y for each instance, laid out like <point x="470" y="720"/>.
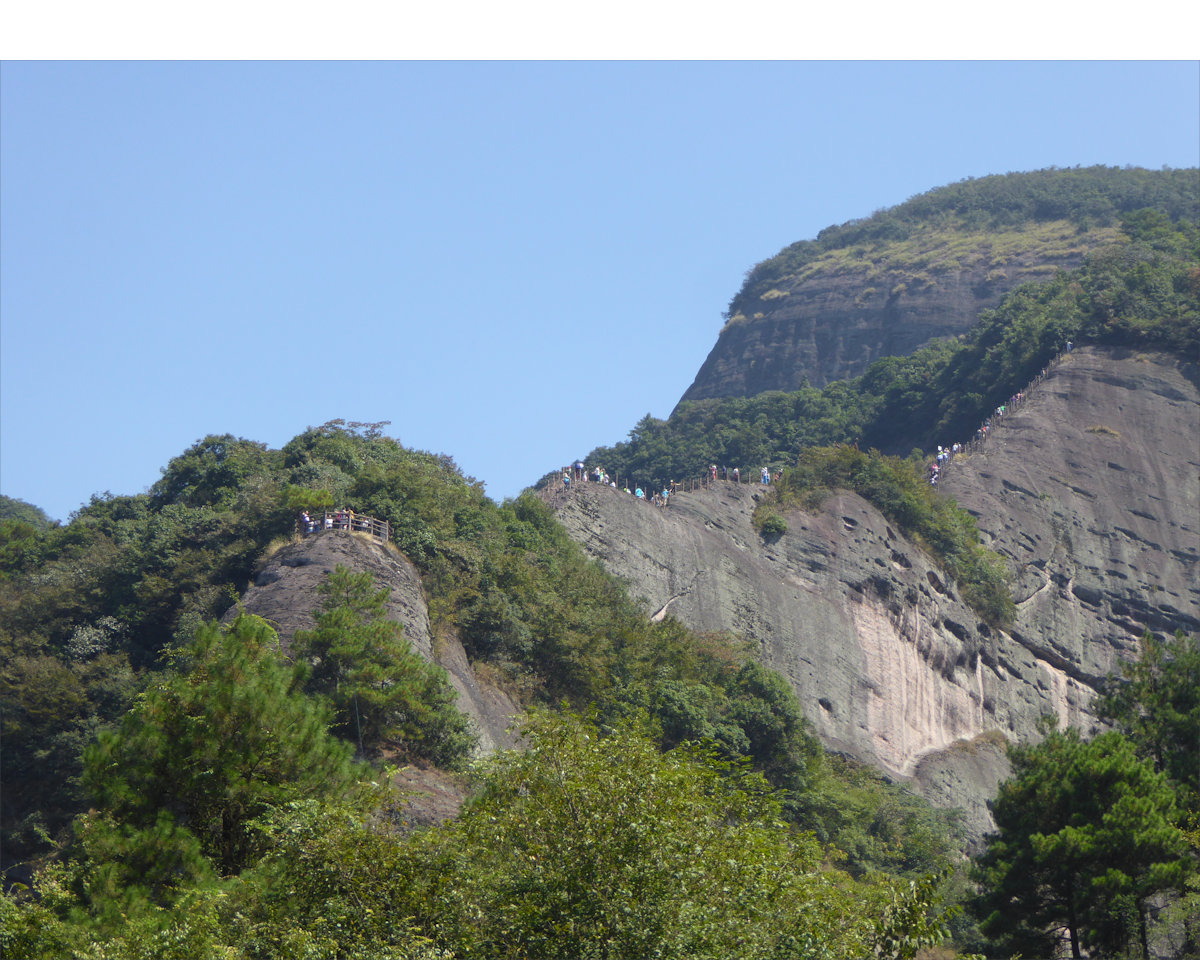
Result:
<point x="1090" y="490"/>
<point x="833" y="317"/>
<point x="285" y="592"/>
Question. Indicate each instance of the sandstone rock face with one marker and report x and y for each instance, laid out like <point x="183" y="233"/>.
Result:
<point x="888" y="662"/>
<point x="834" y="324"/>
<point x="1092" y="491"/>
<point x="286" y="588"/>
<point x="286" y="593"/>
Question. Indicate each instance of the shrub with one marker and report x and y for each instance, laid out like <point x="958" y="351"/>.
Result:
<point x="772" y="527"/>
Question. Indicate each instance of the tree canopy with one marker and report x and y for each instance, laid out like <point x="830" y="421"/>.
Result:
<point x="1087" y="833"/>
<point x="213" y="744"/>
<point x="1156" y="703"/>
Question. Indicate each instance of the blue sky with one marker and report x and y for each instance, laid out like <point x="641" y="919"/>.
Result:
<point x="511" y="262"/>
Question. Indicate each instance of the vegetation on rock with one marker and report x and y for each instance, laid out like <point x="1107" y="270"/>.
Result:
<point x="1000" y="214"/>
<point x="902" y="493"/>
<point x="382" y="692"/>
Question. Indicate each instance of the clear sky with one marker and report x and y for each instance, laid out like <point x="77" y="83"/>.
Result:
<point x="511" y="262"/>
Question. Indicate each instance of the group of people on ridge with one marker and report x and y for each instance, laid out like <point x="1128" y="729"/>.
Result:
<point x="945" y="454"/>
<point x="578" y="472"/>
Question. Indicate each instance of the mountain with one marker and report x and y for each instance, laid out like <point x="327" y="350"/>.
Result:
<point x="1088" y="491"/>
<point x="823" y="310"/>
<point x="1083" y="497"/>
<point x="738" y="685"/>
<point x="113" y="604"/>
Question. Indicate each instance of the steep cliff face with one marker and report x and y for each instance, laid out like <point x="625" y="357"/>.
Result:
<point x="1092" y="492"/>
<point x="835" y="316"/>
<point x="889" y="663"/>
<point x="286" y="593"/>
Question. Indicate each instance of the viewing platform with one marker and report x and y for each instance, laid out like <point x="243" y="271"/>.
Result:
<point x="347" y="520"/>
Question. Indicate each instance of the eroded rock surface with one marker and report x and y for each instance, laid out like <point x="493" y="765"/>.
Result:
<point x="286" y="593"/>
<point x="888" y="662"/>
<point x="1091" y="490"/>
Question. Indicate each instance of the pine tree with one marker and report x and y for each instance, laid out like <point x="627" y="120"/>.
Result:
<point x="1087" y="834"/>
<point x="1157" y="704"/>
<point x="380" y="689"/>
<point x="216" y="743"/>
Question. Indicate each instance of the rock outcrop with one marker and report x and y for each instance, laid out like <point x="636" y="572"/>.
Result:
<point x="835" y="318"/>
<point x="1090" y="490"/>
<point x="286" y="593"/>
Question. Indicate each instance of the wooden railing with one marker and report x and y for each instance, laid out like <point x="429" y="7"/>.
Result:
<point x="346" y="520"/>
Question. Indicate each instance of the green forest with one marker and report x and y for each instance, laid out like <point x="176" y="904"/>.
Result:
<point x="142" y="752"/>
<point x="178" y="787"/>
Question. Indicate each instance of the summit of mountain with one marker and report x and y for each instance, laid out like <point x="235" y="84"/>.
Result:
<point x="824" y="309"/>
